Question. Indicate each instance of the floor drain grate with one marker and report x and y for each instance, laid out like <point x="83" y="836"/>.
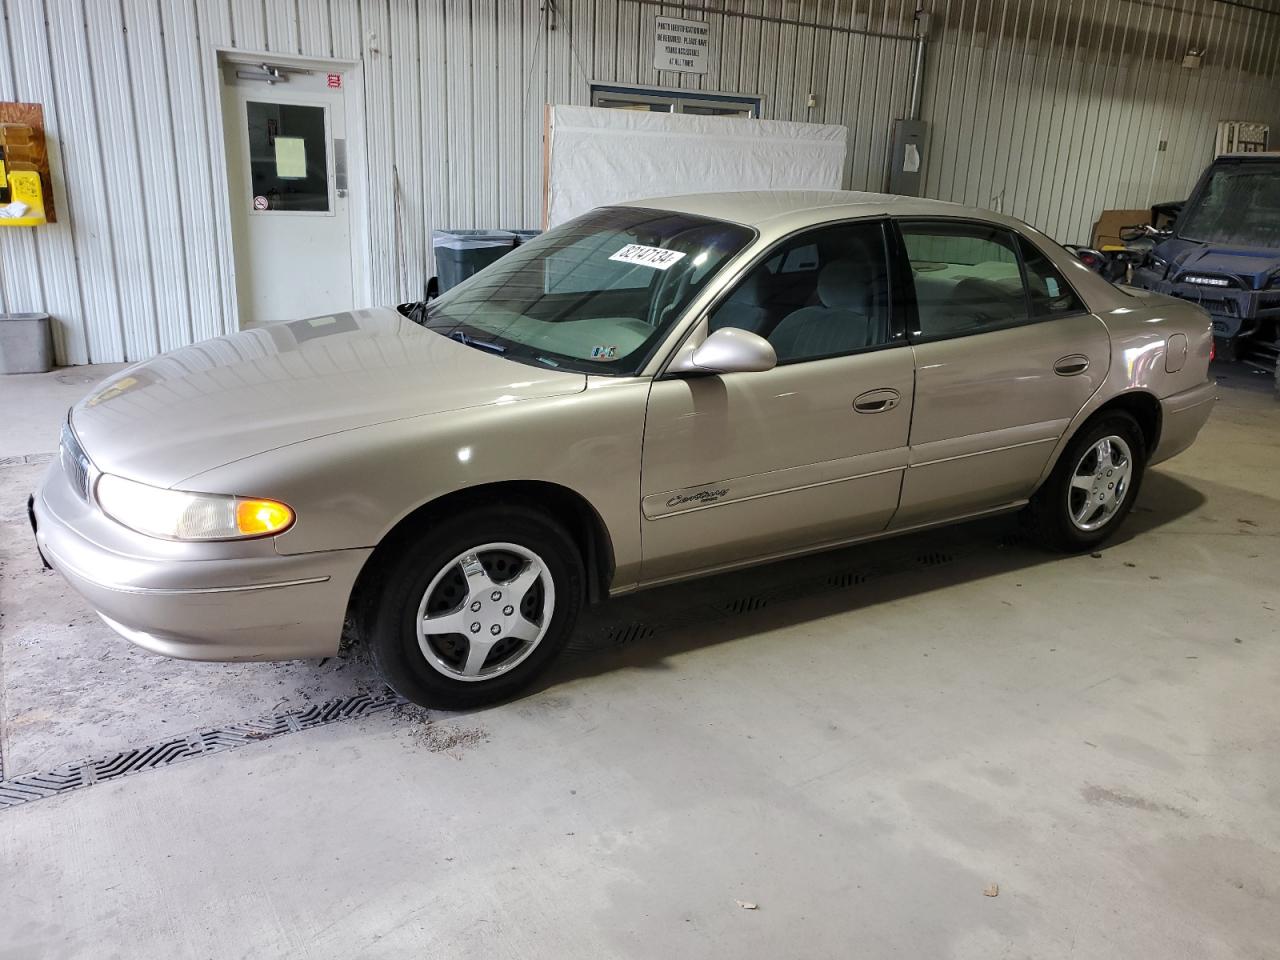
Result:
<point x="846" y="579"/>
<point x="628" y="633"/>
<point x="26" y="458"/>
<point x="934" y="559"/>
<point x="743" y="605"/>
<point x="72" y="776"/>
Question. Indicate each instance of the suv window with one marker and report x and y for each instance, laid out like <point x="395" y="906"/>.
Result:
<point x="823" y="293"/>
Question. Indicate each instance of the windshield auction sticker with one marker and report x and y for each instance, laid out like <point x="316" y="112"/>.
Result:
<point x="655" y="257"/>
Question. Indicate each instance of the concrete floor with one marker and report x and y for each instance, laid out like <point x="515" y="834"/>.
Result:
<point x="1095" y="735"/>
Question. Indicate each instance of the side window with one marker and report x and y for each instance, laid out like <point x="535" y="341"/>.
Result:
<point x="966" y="276"/>
<point x="1050" y="295"/>
<point x="820" y="294"/>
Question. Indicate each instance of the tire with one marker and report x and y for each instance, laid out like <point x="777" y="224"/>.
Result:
<point x="1058" y="515"/>
<point x="492" y="574"/>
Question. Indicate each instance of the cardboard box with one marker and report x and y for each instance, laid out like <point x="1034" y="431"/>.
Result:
<point x="1106" y="232"/>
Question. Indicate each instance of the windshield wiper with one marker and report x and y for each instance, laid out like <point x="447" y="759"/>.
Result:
<point x="473" y="342"/>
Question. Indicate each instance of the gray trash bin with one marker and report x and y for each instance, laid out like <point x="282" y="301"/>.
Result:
<point x="460" y="253"/>
<point x="26" y="343"/>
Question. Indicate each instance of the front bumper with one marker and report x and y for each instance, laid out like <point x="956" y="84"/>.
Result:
<point x="1182" y="416"/>
<point x="186" y="601"/>
<point x="1234" y="311"/>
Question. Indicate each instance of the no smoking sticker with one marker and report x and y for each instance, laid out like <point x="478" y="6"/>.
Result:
<point x="260" y="203"/>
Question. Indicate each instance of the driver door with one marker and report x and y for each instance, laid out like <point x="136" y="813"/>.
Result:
<point x="745" y="466"/>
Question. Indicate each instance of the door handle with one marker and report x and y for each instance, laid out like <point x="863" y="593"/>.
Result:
<point x="876" y="401"/>
<point x="1071" y="366"/>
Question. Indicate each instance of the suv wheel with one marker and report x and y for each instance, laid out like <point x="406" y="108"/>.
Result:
<point x="474" y="609"/>
<point x="1093" y="486"/>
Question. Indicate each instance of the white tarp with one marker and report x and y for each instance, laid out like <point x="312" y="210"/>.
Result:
<point x="602" y="156"/>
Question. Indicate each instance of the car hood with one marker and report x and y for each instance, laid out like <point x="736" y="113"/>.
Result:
<point x="202" y="406"/>
<point x="1193" y="256"/>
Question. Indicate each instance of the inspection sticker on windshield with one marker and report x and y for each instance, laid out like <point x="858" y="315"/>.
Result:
<point x="654" y="257"/>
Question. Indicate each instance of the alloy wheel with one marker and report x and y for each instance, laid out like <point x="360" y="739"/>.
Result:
<point x="1100" y="483"/>
<point x="485" y="611"/>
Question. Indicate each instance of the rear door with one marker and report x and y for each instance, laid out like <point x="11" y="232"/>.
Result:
<point x="1006" y="355"/>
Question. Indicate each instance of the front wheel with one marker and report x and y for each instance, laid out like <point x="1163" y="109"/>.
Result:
<point x="1093" y="486"/>
<point x="475" y="607"/>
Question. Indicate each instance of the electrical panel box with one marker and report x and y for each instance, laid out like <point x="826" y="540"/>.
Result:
<point x="906" y="157"/>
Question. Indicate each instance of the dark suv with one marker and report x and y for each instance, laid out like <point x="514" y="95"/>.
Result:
<point x="1224" y="254"/>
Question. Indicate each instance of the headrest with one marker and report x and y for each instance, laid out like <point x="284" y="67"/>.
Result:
<point x="843" y="285"/>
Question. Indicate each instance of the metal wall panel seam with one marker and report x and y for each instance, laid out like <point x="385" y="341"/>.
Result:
<point x="53" y="249"/>
<point x="215" y="29"/>
<point x="1103" y="169"/>
<point x="1131" y="74"/>
<point x="1017" y="132"/>
<point x="282" y="28"/>
<point x="1064" y="97"/>
<point x="82" y="166"/>
<point x="192" y="168"/>
<point x="248" y="25"/>
<point x="158" y="189"/>
<point x="939" y="75"/>
<point x="315" y="29"/>
<point x="1033" y="212"/>
<point x="19" y="265"/>
<point x="347" y="32"/>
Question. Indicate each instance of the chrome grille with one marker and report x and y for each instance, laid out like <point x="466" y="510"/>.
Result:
<point x="74" y="461"/>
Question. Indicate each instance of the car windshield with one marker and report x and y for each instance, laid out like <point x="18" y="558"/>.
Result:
<point x="1239" y="205"/>
<point x="595" y="295"/>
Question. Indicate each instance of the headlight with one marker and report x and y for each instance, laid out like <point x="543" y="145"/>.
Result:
<point x="178" y="515"/>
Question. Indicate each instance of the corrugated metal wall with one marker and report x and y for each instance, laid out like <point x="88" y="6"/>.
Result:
<point x="1047" y="109"/>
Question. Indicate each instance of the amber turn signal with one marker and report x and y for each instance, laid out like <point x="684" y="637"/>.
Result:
<point x="258" y="517"/>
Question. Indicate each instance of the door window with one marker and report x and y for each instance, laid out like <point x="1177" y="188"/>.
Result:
<point x="974" y="277"/>
<point x="966" y="276"/>
<point x="288" y="160"/>
<point x="1050" y="295"/>
<point x="824" y="293"/>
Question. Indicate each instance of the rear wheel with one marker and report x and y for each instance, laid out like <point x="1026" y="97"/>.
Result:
<point x="476" y="607"/>
<point x="1093" y="487"/>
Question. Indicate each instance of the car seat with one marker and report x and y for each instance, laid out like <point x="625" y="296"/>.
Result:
<point x="840" y="322"/>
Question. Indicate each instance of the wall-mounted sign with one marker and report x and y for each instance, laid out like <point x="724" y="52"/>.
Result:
<point x="681" y="45"/>
<point x="335" y="81"/>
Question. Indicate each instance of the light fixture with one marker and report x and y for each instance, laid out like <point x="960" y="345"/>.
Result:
<point x="1205" y="281"/>
<point x="179" y="515"/>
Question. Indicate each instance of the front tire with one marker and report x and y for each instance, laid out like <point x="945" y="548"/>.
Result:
<point x="1093" y="486"/>
<point x="475" y="607"/>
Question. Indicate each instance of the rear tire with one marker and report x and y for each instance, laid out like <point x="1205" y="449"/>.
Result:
<point x="475" y="607"/>
<point x="1092" y="487"/>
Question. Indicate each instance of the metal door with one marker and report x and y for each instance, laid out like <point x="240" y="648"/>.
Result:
<point x="286" y="171"/>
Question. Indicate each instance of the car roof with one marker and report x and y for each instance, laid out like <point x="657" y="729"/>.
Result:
<point x="1272" y="155"/>
<point x="769" y="208"/>
<point x="777" y="213"/>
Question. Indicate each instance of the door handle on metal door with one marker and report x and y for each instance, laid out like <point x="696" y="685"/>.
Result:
<point x="876" y="401"/>
<point x="1071" y="366"/>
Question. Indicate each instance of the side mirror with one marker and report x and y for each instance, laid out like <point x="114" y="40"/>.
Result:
<point x="728" y="350"/>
